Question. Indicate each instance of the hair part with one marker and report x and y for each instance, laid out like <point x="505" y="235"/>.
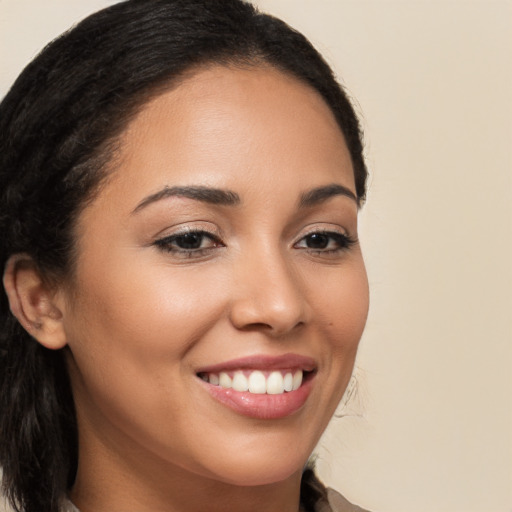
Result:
<point x="59" y="127"/>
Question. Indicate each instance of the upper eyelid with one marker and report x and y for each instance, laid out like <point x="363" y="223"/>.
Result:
<point x="169" y="244"/>
<point x="182" y="232"/>
<point x="332" y="234"/>
<point x="212" y="230"/>
<point x="185" y="228"/>
<point x="325" y="229"/>
<point x="171" y="236"/>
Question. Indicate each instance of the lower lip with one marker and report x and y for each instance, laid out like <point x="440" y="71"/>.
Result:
<point x="262" y="406"/>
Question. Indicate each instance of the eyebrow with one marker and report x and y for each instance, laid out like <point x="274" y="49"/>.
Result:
<point x="321" y="194"/>
<point x="199" y="193"/>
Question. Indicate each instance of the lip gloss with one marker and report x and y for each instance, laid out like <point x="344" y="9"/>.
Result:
<point x="261" y="406"/>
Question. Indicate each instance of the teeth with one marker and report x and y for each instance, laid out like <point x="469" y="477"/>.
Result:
<point x="297" y="380"/>
<point x="274" y="384"/>
<point x="257" y="383"/>
<point x="240" y="382"/>
<point x="225" y="380"/>
<point x="287" y="382"/>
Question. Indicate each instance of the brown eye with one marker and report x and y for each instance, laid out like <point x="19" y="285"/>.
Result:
<point x="325" y="241"/>
<point x="190" y="242"/>
<point x="317" y="241"/>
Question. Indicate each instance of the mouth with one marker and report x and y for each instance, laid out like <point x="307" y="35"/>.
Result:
<point x="261" y="387"/>
<point x="258" y="382"/>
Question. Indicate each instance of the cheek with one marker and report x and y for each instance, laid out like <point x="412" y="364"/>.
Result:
<point x="343" y="308"/>
<point x="157" y="307"/>
<point x="129" y="332"/>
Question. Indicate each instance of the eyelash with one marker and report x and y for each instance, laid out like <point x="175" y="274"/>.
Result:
<point x="168" y="244"/>
<point x="342" y="242"/>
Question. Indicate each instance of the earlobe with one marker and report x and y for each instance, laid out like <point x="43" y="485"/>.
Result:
<point x="32" y="302"/>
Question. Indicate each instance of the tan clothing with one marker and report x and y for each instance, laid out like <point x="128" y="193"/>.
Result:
<point x="335" y="503"/>
<point x="338" y="503"/>
<point x="315" y="497"/>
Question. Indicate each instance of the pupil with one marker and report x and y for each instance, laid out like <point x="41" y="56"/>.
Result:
<point x="317" y="241"/>
<point x="189" y="241"/>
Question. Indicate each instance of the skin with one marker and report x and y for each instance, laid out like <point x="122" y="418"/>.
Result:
<point x="140" y="319"/>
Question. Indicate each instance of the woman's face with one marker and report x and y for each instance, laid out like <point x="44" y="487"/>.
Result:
<point x="222" y="248"/>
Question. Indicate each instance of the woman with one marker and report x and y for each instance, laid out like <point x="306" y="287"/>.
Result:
<point x="185" y="291"/>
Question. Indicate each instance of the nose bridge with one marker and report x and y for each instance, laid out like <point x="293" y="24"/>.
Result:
<point x="268" y="291"/>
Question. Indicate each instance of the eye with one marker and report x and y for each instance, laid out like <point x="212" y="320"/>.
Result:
<point x="325" y="241"/>
<point x="189" y="243"/>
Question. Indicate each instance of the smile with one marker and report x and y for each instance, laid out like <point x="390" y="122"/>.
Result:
<point x="261" y="387"/>
<point x="258" y="382"/>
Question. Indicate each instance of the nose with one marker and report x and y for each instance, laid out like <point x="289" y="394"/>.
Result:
<point x="269" y="295"/>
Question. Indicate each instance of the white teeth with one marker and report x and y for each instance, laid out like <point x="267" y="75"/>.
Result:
<point x="274" y="384"/>
<point x="225" y="380"/>
<point x="297" y="380"/>
<point x="288" y="382"/>
<point x="257" y="383"/>
<point x="240" y="382"/>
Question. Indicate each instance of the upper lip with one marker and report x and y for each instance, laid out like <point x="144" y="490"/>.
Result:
<point x="262" y="362"/>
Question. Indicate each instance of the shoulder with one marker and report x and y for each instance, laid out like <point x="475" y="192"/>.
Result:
<point x="338" y="503"/>
<point x="315" y="497"/>
<point x="67" y="506"/>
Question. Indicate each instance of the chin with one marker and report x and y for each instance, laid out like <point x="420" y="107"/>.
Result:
<point x="256" y="470"/>
<point x="266" y="475"/>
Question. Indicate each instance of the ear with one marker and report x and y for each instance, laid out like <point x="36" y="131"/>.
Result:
<point x="33" y="302"/>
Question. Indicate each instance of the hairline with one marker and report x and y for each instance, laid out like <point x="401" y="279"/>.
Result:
<point x="107" y="159"/>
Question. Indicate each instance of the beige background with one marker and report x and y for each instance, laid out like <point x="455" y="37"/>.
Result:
<point x="431" y="427"/>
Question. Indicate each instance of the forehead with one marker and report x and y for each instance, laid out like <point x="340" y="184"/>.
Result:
<point x="235" y="128"/>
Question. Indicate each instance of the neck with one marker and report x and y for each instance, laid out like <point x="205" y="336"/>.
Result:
<point x="185" y="495"/>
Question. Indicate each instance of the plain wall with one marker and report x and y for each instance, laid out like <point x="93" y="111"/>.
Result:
<point x="431" y="428"/>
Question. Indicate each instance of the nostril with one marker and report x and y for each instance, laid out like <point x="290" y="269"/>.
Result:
<point x="255" y="326"/>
